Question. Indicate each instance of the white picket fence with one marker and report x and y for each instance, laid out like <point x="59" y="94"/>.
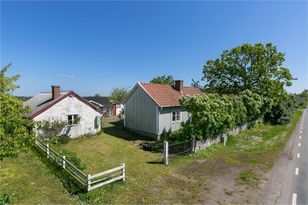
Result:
<point x="89" y="181"/>
<point x="106" y="177"/>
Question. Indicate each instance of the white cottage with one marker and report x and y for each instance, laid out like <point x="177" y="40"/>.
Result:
<point x="154" y="109"/>
<point x="81" y="116"/>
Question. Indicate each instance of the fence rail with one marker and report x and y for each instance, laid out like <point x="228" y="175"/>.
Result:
<point x="180" y="148"/>
<point x="173" y="150"/>
<point x="89" y="181"/>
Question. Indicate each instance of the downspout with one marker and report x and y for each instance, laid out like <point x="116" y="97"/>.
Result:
<point x="124" y="116"/>
<point x="157" y="123"/>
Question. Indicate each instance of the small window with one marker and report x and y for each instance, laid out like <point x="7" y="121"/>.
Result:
<point x="176" y="116"/>
<point x="73" y="119"/>
<point x="97" y="122"/>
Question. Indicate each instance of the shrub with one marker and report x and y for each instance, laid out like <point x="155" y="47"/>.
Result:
<point x="4" y="199"/>
<point x="52" y="131"/>
<point x="63" y="139"/>
<point x="216" y="114"/>
<point x="255" y="104"/>
<point x="72" y="157"/>
<point x="281" y="113"/>
<point x="57" y="140"/>
<point x="49" y="129"/>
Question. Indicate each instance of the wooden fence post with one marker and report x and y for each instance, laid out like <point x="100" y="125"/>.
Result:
<point x="89" y="182"/>
<point x="225" y="136"/>
<point x="47" y="150"/>
<point x="63" y="162"/>
<point x="193" y="148"/>
<point x="166" y="152"/>
<point x="123" y="171"/>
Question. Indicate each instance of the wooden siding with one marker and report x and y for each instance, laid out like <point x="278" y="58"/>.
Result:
<point x="165" y="119"/>
<point x="141" y="113"/>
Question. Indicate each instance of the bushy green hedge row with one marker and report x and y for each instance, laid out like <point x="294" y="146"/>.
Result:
<point x="281" y="112"/>
<point x="216" y="114"/>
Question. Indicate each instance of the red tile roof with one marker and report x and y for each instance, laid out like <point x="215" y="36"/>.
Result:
<point x="166" y="95"/>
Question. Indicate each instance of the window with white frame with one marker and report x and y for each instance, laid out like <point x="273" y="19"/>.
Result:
<point x="175" y="116"/>
<point x="73" y="119"/>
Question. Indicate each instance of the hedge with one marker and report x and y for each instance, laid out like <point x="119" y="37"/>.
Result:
<point x="281" y="113"/>
<point x="215" y="114"/>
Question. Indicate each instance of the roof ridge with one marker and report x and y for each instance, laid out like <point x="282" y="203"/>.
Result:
<point x="167" y="85"/>
<point x="166" y="95"/>
<point x="62" y="91"/>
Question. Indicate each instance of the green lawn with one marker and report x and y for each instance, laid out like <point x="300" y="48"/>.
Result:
<point x="29" y="181"/>
<point x="219" y="174"/>
<point x="186" y="179"/>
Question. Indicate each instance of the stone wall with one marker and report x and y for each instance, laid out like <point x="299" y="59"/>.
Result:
<point x="203" y="144"/>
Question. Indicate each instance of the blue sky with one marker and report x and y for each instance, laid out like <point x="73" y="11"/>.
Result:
<point x="91" y="47"/>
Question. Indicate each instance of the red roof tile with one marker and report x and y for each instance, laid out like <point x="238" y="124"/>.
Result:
<point x="166" y="95"/>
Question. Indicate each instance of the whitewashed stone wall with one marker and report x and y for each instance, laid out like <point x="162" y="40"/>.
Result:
<point x="203" y="144"/>
<point x="70" y="106"/>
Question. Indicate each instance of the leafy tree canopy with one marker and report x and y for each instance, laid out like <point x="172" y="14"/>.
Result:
<point x="196" y="84"/>
<point x="163" y="80"/>
<point x="15" y="130"/>
<point x="304" y="95"/>
<point x="118" y="95"/>
<point x="255" y="67"/>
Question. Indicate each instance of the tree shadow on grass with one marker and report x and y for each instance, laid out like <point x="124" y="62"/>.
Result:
<point x="70" y="183"/>
<point x="117" y="130"/>
<point x="158" y="161"/>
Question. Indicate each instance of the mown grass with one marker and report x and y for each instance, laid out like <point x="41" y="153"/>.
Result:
<point x="252" y="152"/>
<point x="193" y="178"/>
<point x="29" y="181"/>
<point x="254" y="149"/>
<point x="105" y="151"/>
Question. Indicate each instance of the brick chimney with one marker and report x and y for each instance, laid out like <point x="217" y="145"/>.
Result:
<point x="55" y="90"/>
<point x="178" y="85"/>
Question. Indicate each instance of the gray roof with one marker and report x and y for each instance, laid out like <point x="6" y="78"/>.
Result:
<point x="40" y="101"/>
<point x="103" y="101"/>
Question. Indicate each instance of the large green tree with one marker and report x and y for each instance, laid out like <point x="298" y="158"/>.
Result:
<point x="163" y="80"/>
<point x="255" y="67"/>
<point x="304" y="96"/>
<point x="118" y="95"/>
<point x="15" y="130"/>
